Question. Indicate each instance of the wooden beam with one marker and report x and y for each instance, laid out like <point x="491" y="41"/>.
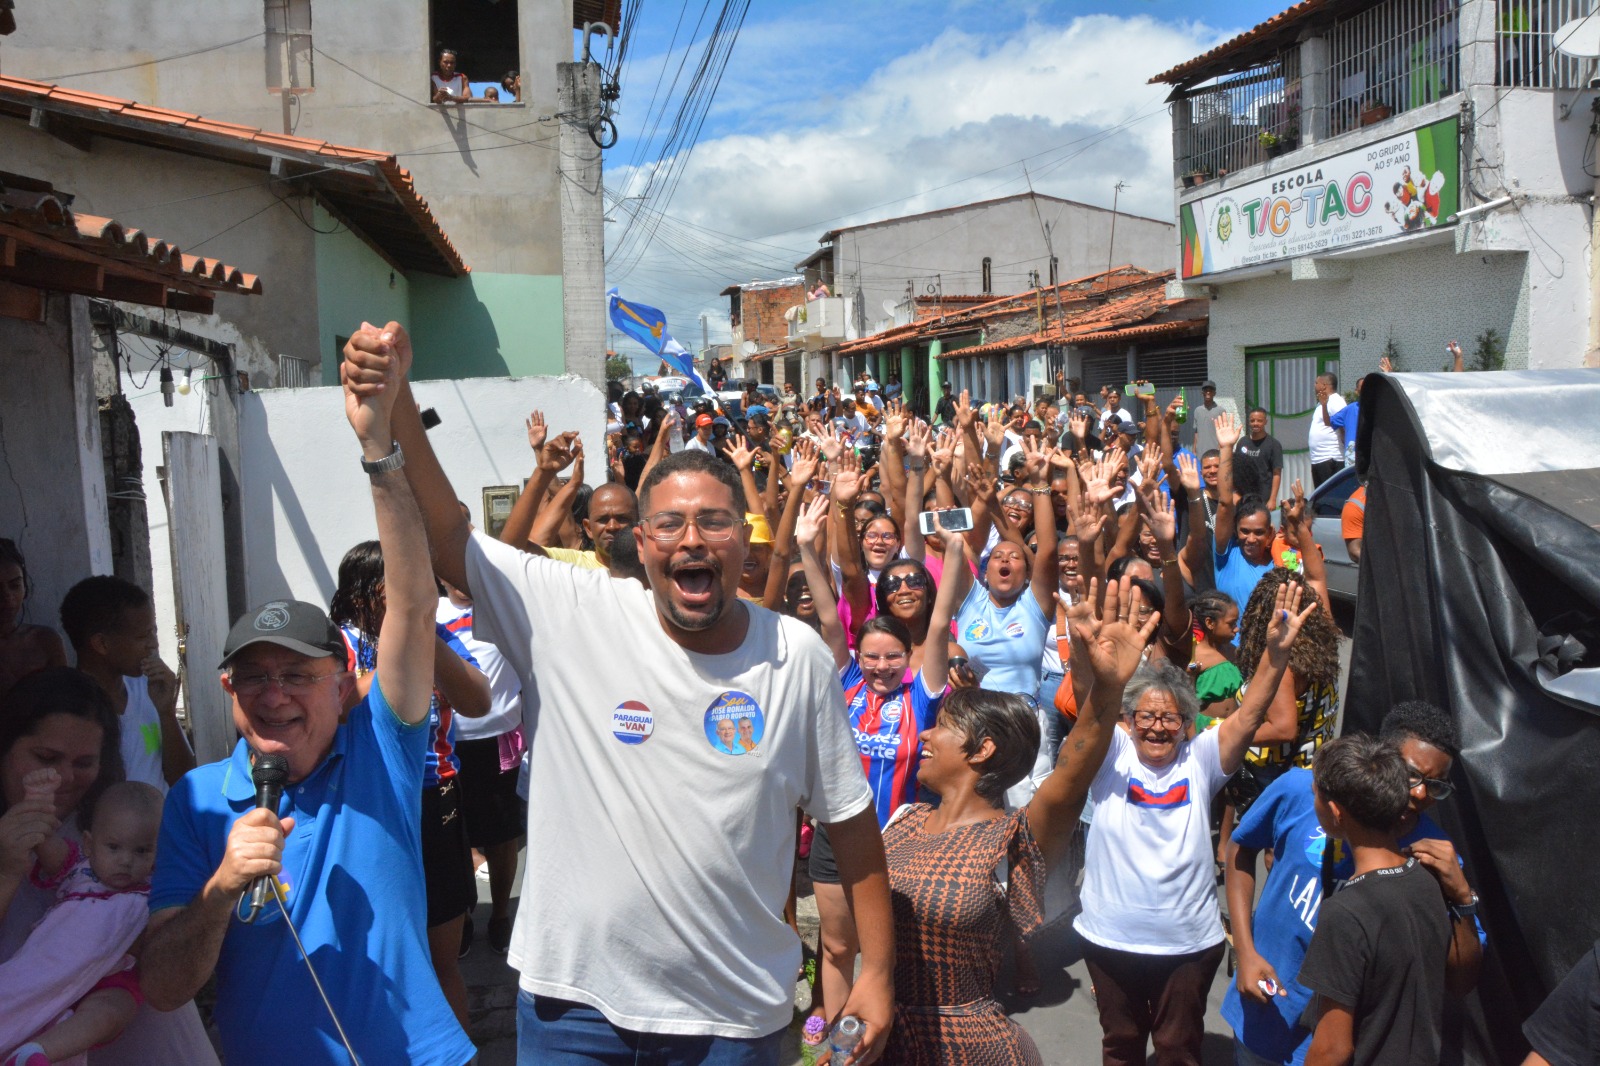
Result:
<point x="183" y="301"/>
<point x="136" y="291"/>
<point x="61" y="128"/>
<point x="50" y="273"/>
<point x="21" y="301"/>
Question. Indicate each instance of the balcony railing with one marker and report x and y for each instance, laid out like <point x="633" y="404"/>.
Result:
<point x="1388" y="59"/>
<point x="1527" y="55"/>
<point x="1227" y="120"/>
<point x="819" y="322"/>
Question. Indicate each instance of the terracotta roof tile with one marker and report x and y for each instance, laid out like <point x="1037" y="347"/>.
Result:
<point x="1195" y="69"/>
<point x="53" y="232"/>
<point x="444" y="256"/>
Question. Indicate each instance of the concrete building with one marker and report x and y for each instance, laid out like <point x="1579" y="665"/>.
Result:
<point x="517" y="187"/>
<point x="760" y="314"/>
<point x="876" y="271"/>
<point x="1355" y="180"/>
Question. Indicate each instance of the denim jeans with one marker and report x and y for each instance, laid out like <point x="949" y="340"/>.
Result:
<point x="556" y="1032"/>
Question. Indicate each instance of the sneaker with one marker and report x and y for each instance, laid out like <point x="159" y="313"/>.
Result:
<point x="466" y="938"/>
<point x="500" y="935"/>
<point x="483" y="873"/>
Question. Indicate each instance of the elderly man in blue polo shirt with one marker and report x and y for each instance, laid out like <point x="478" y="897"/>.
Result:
<point x="344" y="840"/>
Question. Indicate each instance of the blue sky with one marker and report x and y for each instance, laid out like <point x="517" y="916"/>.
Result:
<point x="832" y="114"/>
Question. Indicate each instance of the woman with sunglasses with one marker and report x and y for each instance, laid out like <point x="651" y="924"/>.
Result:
<point x="889" y="707"/>
<point x="860" y="556"/>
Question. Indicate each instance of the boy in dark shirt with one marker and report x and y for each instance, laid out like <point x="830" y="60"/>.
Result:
<point x="1377" y="959"/>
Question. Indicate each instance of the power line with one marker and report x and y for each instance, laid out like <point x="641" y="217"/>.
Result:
<point x="153" y="62"/>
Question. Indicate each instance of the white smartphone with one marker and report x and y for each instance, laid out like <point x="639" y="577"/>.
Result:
<point x="955" y="520"/>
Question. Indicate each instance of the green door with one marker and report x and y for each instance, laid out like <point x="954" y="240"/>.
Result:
<point x="1282" y="379"/>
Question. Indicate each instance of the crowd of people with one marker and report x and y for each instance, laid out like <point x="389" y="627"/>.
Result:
<point x="941" y="662"/>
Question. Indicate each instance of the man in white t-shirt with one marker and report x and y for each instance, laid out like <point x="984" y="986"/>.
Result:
<point x="701" y="441"/>
<point x="111" y="623"/>
<point x="659" y="864"/>
<point x="1327" y="451"/>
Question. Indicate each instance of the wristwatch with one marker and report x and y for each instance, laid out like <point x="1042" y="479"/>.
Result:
<point x="393" y="461"/>
<point x="1465" y="910"/>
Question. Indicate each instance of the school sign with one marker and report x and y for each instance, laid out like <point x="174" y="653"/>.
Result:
<point x="1408" y="183"/>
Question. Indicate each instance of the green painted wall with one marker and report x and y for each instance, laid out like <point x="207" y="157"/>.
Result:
<point x="487" y="325"/>
<point x="353" y="284"/>
<point x="480" y="325"/>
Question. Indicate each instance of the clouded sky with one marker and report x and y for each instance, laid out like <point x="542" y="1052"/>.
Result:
<point x="836" y="113"/>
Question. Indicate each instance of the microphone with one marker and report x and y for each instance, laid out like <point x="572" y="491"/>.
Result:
<point x="270" y="773"/>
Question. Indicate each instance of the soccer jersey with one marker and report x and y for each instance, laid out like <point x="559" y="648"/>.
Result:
<point x="886" y="735"/>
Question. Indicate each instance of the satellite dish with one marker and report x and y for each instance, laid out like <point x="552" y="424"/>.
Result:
<point x="1579" y="38"/>
<point x="749" y="347"/>
<point x="890" y="307"/>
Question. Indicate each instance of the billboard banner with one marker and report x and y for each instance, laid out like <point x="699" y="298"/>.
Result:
<point x="1407" y="183"/>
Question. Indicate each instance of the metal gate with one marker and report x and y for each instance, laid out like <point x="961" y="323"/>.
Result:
<point x="200" y="585"/>
<point x="1282" y="379"/>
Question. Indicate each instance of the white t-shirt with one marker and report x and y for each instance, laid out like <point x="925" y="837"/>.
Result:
<point x="505" y="688"/>
<point x="1325" y="439"/>
<point x="695" y="444"/>
<point x="1149" y="884"/>
<point x="141" y="735"/>
<point x="661" y="841"/>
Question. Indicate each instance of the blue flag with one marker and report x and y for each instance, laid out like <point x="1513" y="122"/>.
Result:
<point x="648" y="326"/>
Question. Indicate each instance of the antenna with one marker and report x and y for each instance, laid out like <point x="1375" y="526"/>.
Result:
<point x="1579" y="38"/>
<point x="749" y="347"/>
<point x="1112" y="243"/>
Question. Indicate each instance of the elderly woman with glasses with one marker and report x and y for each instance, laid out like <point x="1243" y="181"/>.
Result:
<point x="890" y="704"/>
<point x="1152" y="935"/>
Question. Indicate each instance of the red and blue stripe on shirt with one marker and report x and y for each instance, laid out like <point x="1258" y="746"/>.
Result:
<point x="886" y="736"/>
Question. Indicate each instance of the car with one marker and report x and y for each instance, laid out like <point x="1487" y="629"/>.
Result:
<point x="731" y="395"/>
<point x="1327" y="506"/>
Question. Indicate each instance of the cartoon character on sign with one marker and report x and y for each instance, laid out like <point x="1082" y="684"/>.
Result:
<point x="1430" y="196"/>
<point x="1224" y="222"/>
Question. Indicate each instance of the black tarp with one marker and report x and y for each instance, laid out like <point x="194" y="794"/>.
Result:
<point x="1466" y="581"/>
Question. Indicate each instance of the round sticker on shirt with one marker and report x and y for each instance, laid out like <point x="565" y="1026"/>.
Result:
<point x="735" y="724"/>
<point x="632" y="722"/>
<point x="892" y="711"/>
<point x="1014" y="629"/>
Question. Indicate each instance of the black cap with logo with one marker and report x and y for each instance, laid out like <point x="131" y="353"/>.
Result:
<point x="300" y="627"/>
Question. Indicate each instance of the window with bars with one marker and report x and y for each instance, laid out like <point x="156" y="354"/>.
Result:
<point x="295" y="373"/>
<point x="1391" y="58"/>
<point x="1527" y="39"/>
<point x="1227" y="120"/>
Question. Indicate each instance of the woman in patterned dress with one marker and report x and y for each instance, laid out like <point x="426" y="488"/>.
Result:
<point x="959" y="872"/>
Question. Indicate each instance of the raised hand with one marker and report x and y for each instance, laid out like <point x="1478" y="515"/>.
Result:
<point x="805" y="462"/>
<point x="994" y="431"/>
<point x="980" y="482"/>
<point x="537" y="431"/>
<point x="810" y="522"/>
<point x="1088" y="519"/>
<point x="1036" y="461"/>
<point x="832" y="446"/>
<point x="1286" y="620"/>
<point x="743" y="456"/>
<point x="894" y="421"/>
<point x="1295" y="515"/>
<point x="1113" y="642"/>
<point x="1158" y="513"/>
<point x="847" y="481"/>
<point x="1078" y="425"/>
<point x="918" y="438"/>
<point x="1228" y="430"/>
<point x="1188" y="473"/>
<point x="965" y="415"/>
<point x="373" y="368"/>
<point x="559" y="452"/>
<point x="1150" y="462"/>
<point x="1096" y="477"/>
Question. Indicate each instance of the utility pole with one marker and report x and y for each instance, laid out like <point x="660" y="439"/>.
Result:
<point x="1112" y="243"/>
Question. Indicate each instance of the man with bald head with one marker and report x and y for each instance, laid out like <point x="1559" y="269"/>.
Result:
<point x="613" y="512"/>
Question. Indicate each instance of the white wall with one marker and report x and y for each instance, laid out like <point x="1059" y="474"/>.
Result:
<point x="306" y="501"/>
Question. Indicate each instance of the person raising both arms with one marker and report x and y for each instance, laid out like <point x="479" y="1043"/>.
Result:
<point x="610" y="921"/>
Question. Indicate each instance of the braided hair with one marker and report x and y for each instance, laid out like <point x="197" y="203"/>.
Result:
<point x="1314" y="656"/>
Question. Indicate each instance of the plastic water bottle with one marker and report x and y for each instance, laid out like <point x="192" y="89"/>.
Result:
<point x="847" y="1033"/>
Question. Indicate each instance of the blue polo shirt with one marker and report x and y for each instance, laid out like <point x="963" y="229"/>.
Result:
<point x="353" y="866"/>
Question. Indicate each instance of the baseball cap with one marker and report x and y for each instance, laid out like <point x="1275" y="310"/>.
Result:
<point x="720" y="421"/>
<point x="702" y="421"/>
<point x="1124" y="426"/>
<point x="293" y="624"/>
<point x="1209" y="384"/>
<point x="756" y="409"/>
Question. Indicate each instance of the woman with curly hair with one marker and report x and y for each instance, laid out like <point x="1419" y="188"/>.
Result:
<point x="1301" y="717"/>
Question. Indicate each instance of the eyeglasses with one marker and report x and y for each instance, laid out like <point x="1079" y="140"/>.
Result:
<point x="256" y="684"/>
<point x="883" y="660"/>
<point x="1437" y="789"/>
<point x="1144" y="720"/>
<point x="911" y="579"/>
<point x="885" y="535"/>
<point x="1019" y="502"/>
<point x="668" y="527"/>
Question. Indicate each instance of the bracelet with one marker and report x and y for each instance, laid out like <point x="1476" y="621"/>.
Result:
<point x="1039" y="492"/>
<point x="1168" y="562"/>
<point x="393" y="461"/>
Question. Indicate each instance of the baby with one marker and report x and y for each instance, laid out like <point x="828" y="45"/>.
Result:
<point x="73" y="985"/>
